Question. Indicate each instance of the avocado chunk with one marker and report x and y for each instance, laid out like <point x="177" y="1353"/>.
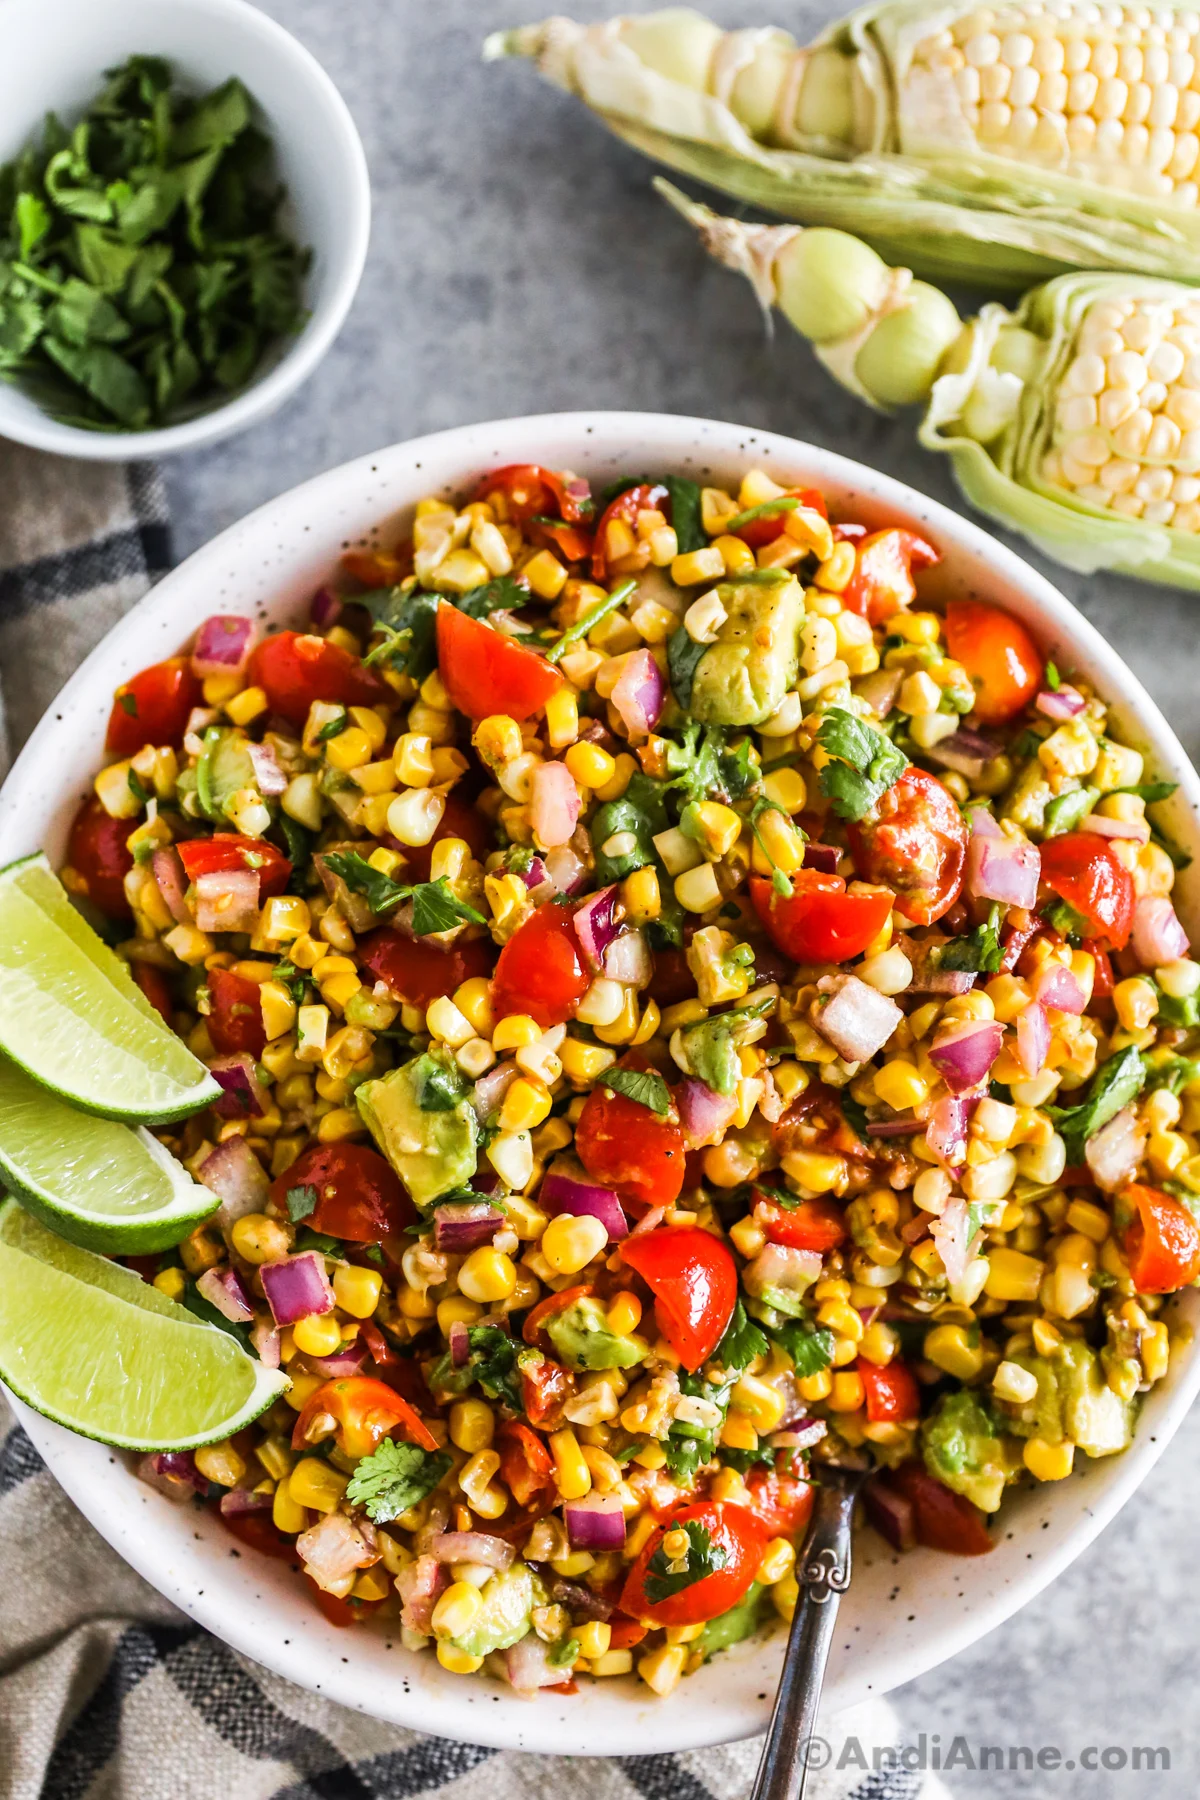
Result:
<point x="743" y="676"/>
<point x="741" y="1621"/>
<point x="582" y="1338"/>
<point x="503" y="1618"/>
<point x="1074" y="1401"/>
<point x="421" y="1119"/>
<point x="965" y="1451"/>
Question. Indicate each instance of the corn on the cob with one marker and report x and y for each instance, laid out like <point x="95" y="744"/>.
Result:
<point x="974" y="143"/>
<point x="1074" y="420"/>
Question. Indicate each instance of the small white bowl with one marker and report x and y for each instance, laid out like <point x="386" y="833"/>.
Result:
<point x="54" y="56"/>
<point x="903" y="1613"/>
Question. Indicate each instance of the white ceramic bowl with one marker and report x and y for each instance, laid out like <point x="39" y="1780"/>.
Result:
<point x="54" y="56"/>
<point x="903" y="1614"/>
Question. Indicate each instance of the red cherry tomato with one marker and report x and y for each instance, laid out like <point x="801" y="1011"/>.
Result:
<point x="1162" y="1242"/>
<point x="626" y="1633"/>
<point x="226" y="851"/>
<point x="98" y="851"/>
<point x="882" y="582"/>
<point x="1002" y="660"/>
<point x="235" y="1023"/>
<point x="459" y="820"/>
<point x="359" y="1196"/>
<point x="257" y="1530"/>
<point x="1103" y="979"/>
<point x="157" y="989"/>
<point x="530" y="489"/>
<point x="782" y="1504"/>
<point x="815" y="1224"/>
<point x="646" y="497"/>
<point x="366" y="1411"/>
<point x="419" y="973"/>
<point x="153" y="708"/>
<point x="626" y="1146"/>
<point x="485" y="672"/>
<point x="892" y="1392"/>
<point x="768" y="526"/>
<point x="693" y="1279"/>
<point x="1083" y="869"/>
<point x="819" y="921"/>
<point x="944" y="1521"/>
<point x="295" y="668"/>
<point x="545" y="1309"/>
<point x="573" y="543"/>
<point x="673" y="981"/>
<point x="525" y="1465"/>
<point x="338" y="1611"/>
<point x="545" y="1387"/>
<point x="541" y="970"/>
<point x="916" y="843"/>
<point x="730" y="1528"/>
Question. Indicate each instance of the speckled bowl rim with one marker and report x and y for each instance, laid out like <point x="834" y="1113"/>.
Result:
<point x="903" y="1615"/>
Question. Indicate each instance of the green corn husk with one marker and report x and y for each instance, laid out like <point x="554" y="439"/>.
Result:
<point x="865" y="132"/>
<point x="1002" y="391"/>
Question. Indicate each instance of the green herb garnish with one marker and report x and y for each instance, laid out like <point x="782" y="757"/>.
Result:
<point x="395" y="1477"/>
<point x="645" y="1086"/>
<point x="665" y="1577"/>
<point x="436" y="907"/>
<point x="1114" y="1085"/>
<point x="301" y="1202"/>
<point x="588" y="620"/>
<point x="866" y="763"/>
<point x="978" y="951"/>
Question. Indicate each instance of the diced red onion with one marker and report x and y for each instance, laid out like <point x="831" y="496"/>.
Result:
<point x="235" y="1502"/>
<point x="597" y="1522"/>
<point x="892" y="1514"/>
<point x="332" y="1549"/>
<point x="555" y="805"/>
<point x="999" y="867"/>
<point x="957" y="752"/>
<point x="628" y="960"/>
<point x="879" y="690"/>
<point x="460" y="1344"/>
<point x="800" y="1436"/>
<point x="348" y="1360"/>
<point x="952" y="1233"/>
<point x="1157" y="937"/>
<point x="595" y="925"/>
<point x="528" y="1667"/>
<point x="823" y="857"/>
<point x="567" y="871"/>
<point x="223" y="1289"/>
<point x="173" y="1473"/>
<point x="1114" y="1152"/>
<point x="269" y="778"/>
<point x="640" y="693"/>
<point x="1033" y="1039"/>
<point x="464" y="1225"/>
<point x="946" y="1129"/>
<point x="703" y="1114"/>
<point x="889" y="1128"/>
<point x="419" y="1585"/>
<point x="780" y="1266"/>
<point x="564" y="1192"/>
<point x="491" y="1088"/>
<point x="927" y="978"/>
<point x="296" y="1288"/>
<point x="245" y="1097"/>
<point x="234" y="1173"/>
<point x="536" y="875"/>
<point x="266" y="1340"/>
<point x="473" y="1547"/>
<point x="227" y="900"/>
<point x="326" y="608"/>
<point x="1134" y="830"/>
<point x="171" y="882"/>
<point x="964" y="1054"/>
<point x="1055" y="985"/>
<point x="1060" y="703"/>
<point x="222" y="645"/>
<point x="858" y="1020"/>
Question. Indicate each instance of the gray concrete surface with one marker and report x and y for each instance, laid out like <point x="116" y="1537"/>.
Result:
<point x="519" y="263"/>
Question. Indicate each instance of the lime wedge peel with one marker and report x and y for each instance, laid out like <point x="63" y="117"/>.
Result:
<point x="72" y="1016"/>
<point x="82" y="1347"/>
<point x="99" y="1183"/>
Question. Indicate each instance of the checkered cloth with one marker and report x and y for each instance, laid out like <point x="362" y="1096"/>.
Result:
<point x="107" y="1692"/>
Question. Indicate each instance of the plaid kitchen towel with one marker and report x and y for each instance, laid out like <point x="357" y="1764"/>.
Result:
<point x="107" y="1692"/>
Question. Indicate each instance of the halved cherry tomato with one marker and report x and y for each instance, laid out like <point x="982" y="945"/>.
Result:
<point x="226" y="851"/>
<point x="693" y="1279"/>
<point x="459" y="820"/>
<point x="1002" y="660"/>
<point x="295" y="668"/>
<point x="625" y="1633"/>
<point x="235" y="1023"/>
<point x="420" y="973"/>
<point x="944" y="1521"/>
<point x="366" y="1411"/>
<point x="1162" y="1242"/>
<point x="258" y="1531"/>
<point x="98" y="851"/>
<point x="892" y="1392"/>
<point x="571" y="541"/>
<point x="340" y="1612"/>
<point x="815" y="1224"/>
<point x="545" y="1309"/>
<point x="882" y="582"/>
<point x="153" y="707"/>
<point x="768" y="526"/>
<point x="545" y="1387"/>
<point x="625" y="1145"/>
<point x="782" y="1504"/>
<point x="819" y="921"/>
<point x="541" y="970"/>
<point x="645" y="497"/>
<point x="673" y="981"/>
<point x="525" y="1465"/>
<point x="730" y="1528"/>
<point x="485" y="672"/>
<point x="359" y="1196"/>
<point x="1083" y="869"/>
<point x="530" y="489"/>
<point x="156" y="987"/>
<point x="916" y="843"/>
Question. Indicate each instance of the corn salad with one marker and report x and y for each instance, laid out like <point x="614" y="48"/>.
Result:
<point x="685" y="1009"/>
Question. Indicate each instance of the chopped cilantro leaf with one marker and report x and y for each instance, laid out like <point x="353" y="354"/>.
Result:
<point x="435" y="905"/>
<point x="978" y="951"/>
<point x="394" y="1477"/>
<point x="301" y="1202"/>
<point x="810" y="1350"/>
<point x="141" y="793"/>
<point x="742" y="1342"/>
<point x="645" y="1086"/>
<point x="865" y="763"/>
<point x="684" y="496"/>
<point x="1114" y="1085"/>
<point x="665" y="1577"/>
<point x="128" y="703"/>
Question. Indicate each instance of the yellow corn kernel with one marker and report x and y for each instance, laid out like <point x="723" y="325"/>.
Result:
<point x="414" y="816"/>
<point x="589" y="765"/>
<point x="949" y="1347"/>
<point x="594" y="1638"/>
<point x="189" y="944"/>
<point x="474" y="1001"/>
<point x="545" y="575"/>
<point x="170" y="1282"/>
<point x="278" y="1009"/>
<point x="315" y="1483"/>
<point x="736" y="555"/>
<point x="815" y="1387"/>
<point x="584" y="1063"/>
<point x="782" y="842"/>
<point x="487" y="1275"/>
<point x="571" y="1241"/>
<point x="613" y="1662"/>
<point x="412" y="760"/>
<point x="695" y="566"/>
<point x="319" y="1334"/>
<point x="786" y="788"/>
<point x="899" y="1086"/>
<point x="343" y="1122"/>
<point x="349" y="749"/>
<point x="1012" y="1275"/>
<point x="641" y="896"/>
<point x="372" y="1584"/>
<point x="443" y="1020"/>
<point x="562" y="717"/>
<point x="846" y="1395"/>
<point x="720" y="824"/>
<point x="697" y="890"/>
<point x="762" y="1404"/>
<point x="515" y="1032"/>
<point x="1156" y="1350"/>
<point x="571" y="1472"/>
<point x="498" y="739"/>
<point x="288" y="1515"/>
<point x="842" y="1319"/>
<point x="662" y="1669"/>
<point x="526" y="1103"/>
<point x="1048" y="1462"/>
<point x="302" y="1390"/>
<point x="625" y="1314"/>
<point x="626" y="768"/>
<point x="259" y="1239"/>
<point x="472" y="1426"/>
<point x="456" y="1661"/>
<point x="457" y="1610"/>
<point x="817" y="1170"/>
<point x="247" y="705"/>
<point x="779" y="1559"/>
<point x="357" y="1290"/>
<point x="456" y="1309"/>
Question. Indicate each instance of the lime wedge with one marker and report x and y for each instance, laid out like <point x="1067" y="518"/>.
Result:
<point x="100" y="1184"/>
<point x="78" y="1344"/>
<point x="73" y="1017"/>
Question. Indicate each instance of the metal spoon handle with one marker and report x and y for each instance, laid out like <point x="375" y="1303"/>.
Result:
<point x="823" y="1573"/>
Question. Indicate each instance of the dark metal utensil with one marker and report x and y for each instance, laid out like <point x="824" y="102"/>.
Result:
<point x="823" y="1573"/>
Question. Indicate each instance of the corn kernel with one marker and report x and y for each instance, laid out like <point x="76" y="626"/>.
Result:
<point x="697" y="890"/>
<point x="613" y="1662"/>
<point x="170" y="1282"/>
<point x="316" y="1484"/>
<point x="661" y="1669"/>
<point x="1012" y="1275"/>
<point x="625" y="1314"/>
<point x="458" y="1662"/>
<point x="846" y="1393"/>
<point x="571" y="1241"/>
<point x="526" y="1103"/>
<point x="357" y="1290"/>
<point x="950" y="1348"/>
<point x="288" y="1515"/>
<point x="736" y="555"/>
<point x="818" y="1171"/>
<point x="594" y="1638"/>
<point x="571" y="1472"/>
<point x="444" y="1020"/>
<point x="589" y="765"/>
<point x="515" y="1032"/>
<point x="584" y="1063"/>
<point x="545" y="575"/>
<point x="1048" y="1462"/>
<point x="456" y="1309"/>
<point x="487" y="1275"/>
<point x="695" y="566"/>
<point x="762" y="1404"/>
<point x="779" y="1559"/>
<point x="472" y="1425"/>
<point x="259" y="1239"/>
<point x="457" y="1610"/>
<point x="1013" y="1383"/>
<point x="318" y="1334"/>
<point x="562" y="717"/>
